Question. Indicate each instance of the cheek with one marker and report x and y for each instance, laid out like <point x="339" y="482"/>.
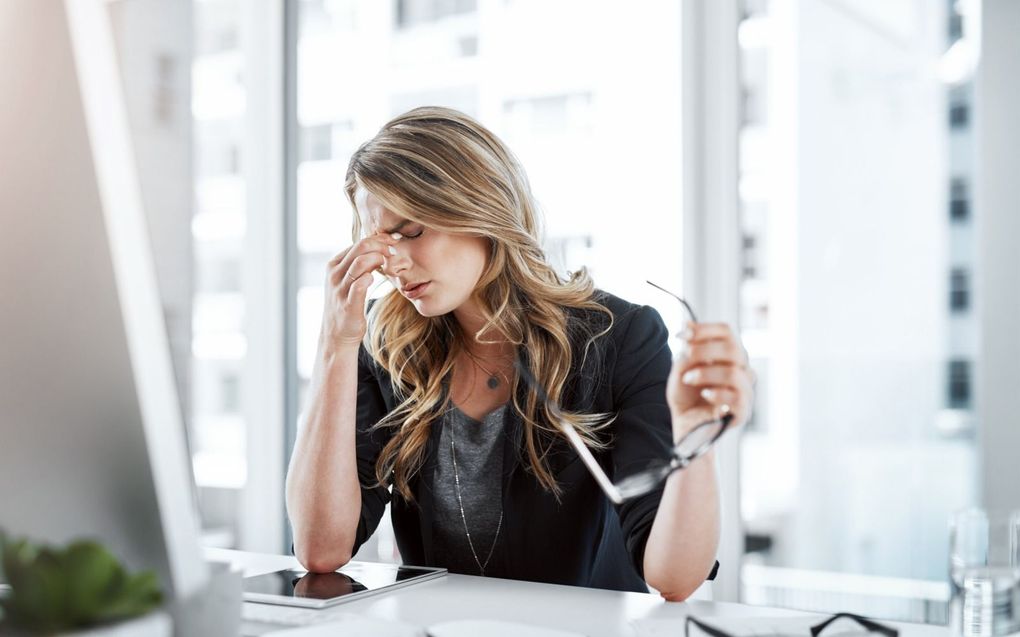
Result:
<point x="469" y="266"/>
<point x="476" y="255"/>
<point x="453" y="256"/>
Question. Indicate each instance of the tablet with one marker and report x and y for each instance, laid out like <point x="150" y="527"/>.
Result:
<point x="297" y="587"/>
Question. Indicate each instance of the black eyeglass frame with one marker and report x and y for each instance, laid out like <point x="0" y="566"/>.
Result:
<point x="648" y="479"/>
<point x="816" y="630"/>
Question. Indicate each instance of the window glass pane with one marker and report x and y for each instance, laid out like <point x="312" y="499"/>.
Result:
<point x="600" y="143"/>
<point x="959" y="199"/>
<point x="218" y="227"/>
<point x="959" y="290"/>
<point x="856" y="307"/>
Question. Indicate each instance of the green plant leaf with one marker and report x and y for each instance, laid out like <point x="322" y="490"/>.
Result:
<point x="91" y="572"/>
<point x="38" y="600"/>
<point x="140" y="594"/>
<point x="16" y="554"/>
<point x="61" y="589"/>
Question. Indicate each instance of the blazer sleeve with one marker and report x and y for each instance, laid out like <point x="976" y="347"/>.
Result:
<point x="643" y="428"/>
<point x="371" y="408"/>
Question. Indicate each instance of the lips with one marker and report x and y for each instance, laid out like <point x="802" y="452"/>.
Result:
<point x="414" y="290"/>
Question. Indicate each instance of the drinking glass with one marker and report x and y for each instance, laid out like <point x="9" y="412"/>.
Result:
<point x="984" y="572"/>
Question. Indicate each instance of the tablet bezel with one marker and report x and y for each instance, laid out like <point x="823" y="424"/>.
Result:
<point x="426" y="573"/>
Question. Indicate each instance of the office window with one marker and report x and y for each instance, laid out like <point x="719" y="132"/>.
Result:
<point x="219" y="345"/>
<point x="852" y="473"/>
<point x="958" y="387"/>
<point x="552" y="115"/>
<point x="752" y="106"/>
<point x="230" y="392"/>
<point x="218" y="275"/>
<point x="564" y="250"/>
<point x="754" y="216"/>
<point x="959" y="199"/>
<point x="959" y="115"/>
<point x="954" y="21"/>
<point x="234" y="159"/>
<point x="759" y="422"/>
<point x="316" y="142"/>
<point x="602" y="164"/>
<point x="754" y="79"/>
<point x="751" y="258"/>
<point x="753" y="9"/>
<point x="468" y="46"/>
<point x="215" y="38"/>
<point x="959" y="290"/>
<point x="955" y="26"/>
<point x="412" y="12"/>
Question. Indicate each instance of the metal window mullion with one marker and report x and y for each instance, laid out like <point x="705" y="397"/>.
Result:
<point x="997" y="225"/>
<point x="261" y="519"/>
<point x="711" y="225"/>
<point x="290" y="31"/>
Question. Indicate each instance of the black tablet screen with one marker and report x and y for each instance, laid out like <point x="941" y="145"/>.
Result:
<point x="352" y="579"/>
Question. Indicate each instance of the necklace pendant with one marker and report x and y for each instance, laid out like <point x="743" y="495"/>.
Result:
<point x="493" y="382"/>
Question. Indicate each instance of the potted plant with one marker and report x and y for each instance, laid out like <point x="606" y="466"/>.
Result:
<point x="79" y="590"/>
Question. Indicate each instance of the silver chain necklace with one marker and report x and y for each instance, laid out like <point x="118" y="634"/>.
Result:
<point x="460" y="502"/>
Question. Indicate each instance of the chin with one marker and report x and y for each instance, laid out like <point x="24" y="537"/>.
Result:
<point x="425" y="309"/>
<point x="430" y="306"/>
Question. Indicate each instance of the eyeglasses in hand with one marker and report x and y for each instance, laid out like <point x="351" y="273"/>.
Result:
<point x="692" y="445"/>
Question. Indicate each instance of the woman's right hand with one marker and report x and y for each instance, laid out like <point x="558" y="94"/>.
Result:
<point x="348" y="277"/>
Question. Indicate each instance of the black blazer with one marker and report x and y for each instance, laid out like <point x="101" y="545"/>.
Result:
<point x="583" y="539"/>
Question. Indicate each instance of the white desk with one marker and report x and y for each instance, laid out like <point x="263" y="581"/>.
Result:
<point x="593" y="612"/>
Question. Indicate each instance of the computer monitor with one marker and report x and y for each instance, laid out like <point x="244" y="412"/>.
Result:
<point x="92" y="443"/>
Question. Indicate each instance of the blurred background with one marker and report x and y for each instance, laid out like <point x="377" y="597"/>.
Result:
<point x="808" y="170"/>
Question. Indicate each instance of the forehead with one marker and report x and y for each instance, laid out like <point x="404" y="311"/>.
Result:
<point x="373" y="214"/>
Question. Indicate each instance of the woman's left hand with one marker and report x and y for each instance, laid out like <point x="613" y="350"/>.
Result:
<point x="710" y="376"/>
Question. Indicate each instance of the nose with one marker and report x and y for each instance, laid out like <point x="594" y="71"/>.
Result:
<point x="394" y="264"/>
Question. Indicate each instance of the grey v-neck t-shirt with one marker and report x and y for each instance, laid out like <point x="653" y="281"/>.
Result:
<point x="479" y="451"/>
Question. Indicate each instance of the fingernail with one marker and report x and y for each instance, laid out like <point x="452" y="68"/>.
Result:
<point x="397" y="236"/>
<point x="391" y="250"/>
<point x="708" y="394"/>
<point x="686" y="334"/>
<point x="691" y="377"/>
<point x="725" y="409"/>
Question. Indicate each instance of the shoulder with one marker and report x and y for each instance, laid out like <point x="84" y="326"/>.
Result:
<point x="632" y="353"/>
<point x="619" y="342"/>
<point x="627" y="317"/>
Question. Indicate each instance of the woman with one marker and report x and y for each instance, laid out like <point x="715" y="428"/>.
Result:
<point x="420" y="402"/>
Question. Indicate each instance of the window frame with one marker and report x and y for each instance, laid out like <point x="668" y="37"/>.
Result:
<point x="711" y="118"/>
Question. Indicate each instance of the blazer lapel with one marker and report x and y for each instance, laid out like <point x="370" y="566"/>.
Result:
<point x="425" y="494"/>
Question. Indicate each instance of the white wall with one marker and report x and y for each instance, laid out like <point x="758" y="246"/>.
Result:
<point x="872" y="240"/>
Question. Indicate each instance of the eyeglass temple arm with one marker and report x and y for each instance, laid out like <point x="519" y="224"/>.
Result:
<point x="872" y="626"/>
<point x="573" y="437"/>
<point x="594" y="468"/>
<point x="686" y="305"/>
<point x="711" y="630"/>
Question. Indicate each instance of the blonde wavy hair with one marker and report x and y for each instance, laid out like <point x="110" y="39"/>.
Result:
<point x="442" y="169"/>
